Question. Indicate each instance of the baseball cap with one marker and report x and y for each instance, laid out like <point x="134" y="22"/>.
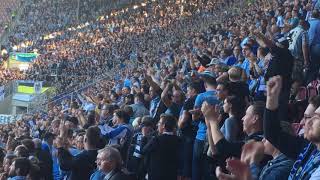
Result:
<point x="213" y="61"/>
<point x="208" y="74"/>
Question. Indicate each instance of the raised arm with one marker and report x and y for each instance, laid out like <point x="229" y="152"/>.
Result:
<point x="82" y="119"/>
<point x="151" y="82"/>
<point x="288" y="144"/>
<point x="164" y="95"/>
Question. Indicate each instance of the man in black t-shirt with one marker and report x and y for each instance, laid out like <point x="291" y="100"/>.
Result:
<point x="236" y="86"/>
<point x="280" y="64"/>
<point x="188" y="130"/>
<point x="185" y="123"/>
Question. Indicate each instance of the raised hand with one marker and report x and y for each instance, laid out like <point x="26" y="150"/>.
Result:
<point x="274" y="86"/>
<point x="59" y="142"/>
<point x="63" y="129"/>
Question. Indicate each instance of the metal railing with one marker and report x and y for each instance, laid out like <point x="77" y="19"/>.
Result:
<point x="43" y="102"/>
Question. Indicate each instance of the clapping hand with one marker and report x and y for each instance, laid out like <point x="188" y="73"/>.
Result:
<point x="238" y="169"/>
<point x="210" y="112"/>
<point x="252" y="152"/>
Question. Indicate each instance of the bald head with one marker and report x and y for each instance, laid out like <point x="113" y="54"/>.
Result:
<point x="234" y="74"/>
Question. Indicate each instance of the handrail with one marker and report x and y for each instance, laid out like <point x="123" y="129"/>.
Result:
<point x="49" y="100"/>
<point x="103" y="77"/>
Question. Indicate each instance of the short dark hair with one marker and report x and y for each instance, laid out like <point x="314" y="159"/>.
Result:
<point x="226" y="86"/>
<point x="122" y="115"/>
<point x="130" y="97"/>
<point x="237" y="106"/>
<point x="91" y="117"/>
<point x="316" y="13"/>
<point x="139" y="96"/>
<point x="228" y="51"/>
<point x="258" y="108"/>
<point x="147" y="123"/>
<point x="73" y="119"/>
<point x="146" y="118"/>
<point x="108" y="107"/>
<point x="209" y="80"/>
<point x="128" y="109"/>
<point x="22" y="151"/>
<point x="24" y="165"/>
<point x="196" y="86"/>
<point x="29" y="144"/>
<point x="248" y="45"/>
<point x="93" y="135"/>
<point x="169" y="121"/>
<point x="12" y="145"/>
<point x="145" y="89"/>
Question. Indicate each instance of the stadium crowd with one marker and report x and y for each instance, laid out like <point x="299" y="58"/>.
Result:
<point x="202" y="90"/>
<point x="7" y="12"/>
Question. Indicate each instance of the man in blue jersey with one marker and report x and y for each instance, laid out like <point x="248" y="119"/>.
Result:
<point x="121" y="133"/>
<point x="199" y="143"/>
<point x="314" y="45"/>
